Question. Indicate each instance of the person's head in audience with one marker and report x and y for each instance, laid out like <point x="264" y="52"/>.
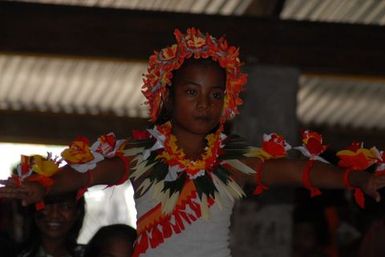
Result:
<point x="112" y="241"/>
<point x="54" y="229"/>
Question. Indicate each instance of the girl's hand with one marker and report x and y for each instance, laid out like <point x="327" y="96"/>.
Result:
<point x="372" y="185"/>
<point x="27" y="192"/>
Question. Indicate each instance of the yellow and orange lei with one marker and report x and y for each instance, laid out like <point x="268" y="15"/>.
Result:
<point x="175" y="156"/>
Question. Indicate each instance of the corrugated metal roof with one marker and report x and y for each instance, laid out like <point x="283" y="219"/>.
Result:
<point x="220" y="7"/>
<point x="344" y="102"/>
<point x="96" y="86"/>
<point x="346" y="11"/>
<point x="71" y="85"/>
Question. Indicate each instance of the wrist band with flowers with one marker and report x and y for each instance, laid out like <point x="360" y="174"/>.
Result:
<point x="312" y="147"/>
<point x="356" y="158"/>
<point x="274" y="146"/>
<point x="82" y="157"/>
<point x="37" y="169"/>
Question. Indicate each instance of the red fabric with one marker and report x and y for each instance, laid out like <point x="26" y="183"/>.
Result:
<point x="258" y="177"/>
<point x="359" y="196"/>
<point x="141" y="245"/>
<point x="314" y="191"/>
<point x="346" y="179"/>
<point x="156" y="237"/>
<point x="151" y="236"/>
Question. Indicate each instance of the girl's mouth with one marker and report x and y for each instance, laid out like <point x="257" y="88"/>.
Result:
<point x="203" y="118"/>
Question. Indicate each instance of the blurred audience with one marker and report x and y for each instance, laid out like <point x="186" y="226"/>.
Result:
<point x="112" y="241"/>
<point x="54" y="229"/>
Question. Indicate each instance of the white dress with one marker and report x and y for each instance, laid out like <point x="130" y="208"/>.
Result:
<point x="200" y="238"/>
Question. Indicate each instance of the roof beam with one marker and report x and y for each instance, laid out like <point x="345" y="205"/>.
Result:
<point x="61" y="128"/>
<point x="265" y="8"/>
<point x="133" y="34"/>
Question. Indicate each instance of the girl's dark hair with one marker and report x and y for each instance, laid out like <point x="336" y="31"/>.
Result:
<point x="33" y="240"/>
<point x="104" y="234"/>
<point x="165" y="113"/>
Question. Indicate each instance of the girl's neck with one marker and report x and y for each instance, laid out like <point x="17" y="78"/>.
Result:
<point x="192" y="144"/>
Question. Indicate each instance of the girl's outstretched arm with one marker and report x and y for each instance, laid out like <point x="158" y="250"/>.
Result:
<point x="108" y="171"/>
<point x="290" y="172"/>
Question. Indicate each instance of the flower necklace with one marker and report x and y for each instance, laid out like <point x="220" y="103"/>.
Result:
<point x="175" y="156"/>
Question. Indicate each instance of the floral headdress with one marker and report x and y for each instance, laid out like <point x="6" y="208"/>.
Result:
<point x="197" y="45"/>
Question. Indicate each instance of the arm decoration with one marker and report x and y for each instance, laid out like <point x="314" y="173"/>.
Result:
<point x="83" y="158"/>
<point x="356" y="158"/>
<point x="274" y="146"/>
<point x="37" y="169"/>
<point x="380" y="169"/>
<point x="311" y="147"/>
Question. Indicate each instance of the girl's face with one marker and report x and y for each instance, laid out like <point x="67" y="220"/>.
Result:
<point x="56" y="219"/>
<point x="198" y="97"/>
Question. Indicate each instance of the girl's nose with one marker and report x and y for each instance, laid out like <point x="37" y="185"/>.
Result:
<point x="203" y="102"/>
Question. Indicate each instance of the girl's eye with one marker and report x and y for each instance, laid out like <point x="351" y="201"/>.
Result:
<point x="218" y="95"/>
<point x="191" y="92"/>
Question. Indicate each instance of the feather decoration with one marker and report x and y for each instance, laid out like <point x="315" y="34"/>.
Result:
<point x="221" y="187"/>
<point x="240" y="166"/>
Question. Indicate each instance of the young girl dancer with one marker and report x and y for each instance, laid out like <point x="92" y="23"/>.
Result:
<point x="185" y="171"/>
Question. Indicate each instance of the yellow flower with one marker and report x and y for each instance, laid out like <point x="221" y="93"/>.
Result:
<point x="44" y="167"/>
<point x="78" y="152"/>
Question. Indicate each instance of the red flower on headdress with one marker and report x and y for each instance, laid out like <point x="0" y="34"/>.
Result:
<point x="168" y="53"/>
<point x="195" y="38"/>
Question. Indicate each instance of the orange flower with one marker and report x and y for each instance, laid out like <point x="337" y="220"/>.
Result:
<point x="356" y="157"/>
<point x="43" y="166"/>
<point x="78" y="152"/>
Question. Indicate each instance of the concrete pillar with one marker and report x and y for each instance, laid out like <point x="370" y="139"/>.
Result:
<point x="262" y="226"/>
